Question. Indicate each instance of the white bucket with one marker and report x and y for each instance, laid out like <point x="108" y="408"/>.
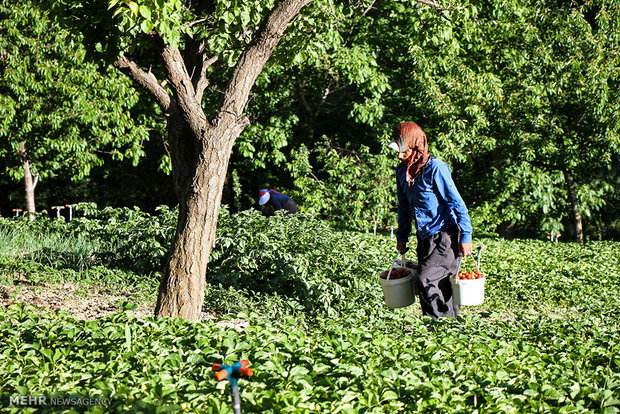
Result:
<point x="467" y="292"/>
<point x="398" y="293"/>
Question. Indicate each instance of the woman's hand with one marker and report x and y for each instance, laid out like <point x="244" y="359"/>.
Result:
<point x="401" y="246"/>
<point x="466" y="249"/>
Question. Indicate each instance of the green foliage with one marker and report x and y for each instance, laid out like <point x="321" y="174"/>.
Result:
<point x="64" y="111"/>
<point x="511" y="94"/>
<point x="298" y="261"/>
<point x="566" y="108"/>
<point x="125" y="238"/>
<point x="546" y="339"/>
<point x="355" y="188"/>
<point x="316" y="329"/>
<point x="297" y="257"/>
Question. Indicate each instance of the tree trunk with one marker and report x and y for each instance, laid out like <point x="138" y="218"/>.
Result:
<point x="181" y="292"/>
<point x="572" y="195"/>
<point x="30" y="181"/>
<point x="200" y="151"/>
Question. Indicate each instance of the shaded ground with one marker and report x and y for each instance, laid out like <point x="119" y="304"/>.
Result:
<point x="82" y="302"/>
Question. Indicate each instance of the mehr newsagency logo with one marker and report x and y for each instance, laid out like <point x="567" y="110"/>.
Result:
<point x="43" y="400"/>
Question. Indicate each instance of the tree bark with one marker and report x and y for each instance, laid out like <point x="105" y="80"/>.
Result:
<point x="572" y="195"/>
<point x="181" y="292"/>
<point x="30" y="181"/>
<point x="200" y="150"/>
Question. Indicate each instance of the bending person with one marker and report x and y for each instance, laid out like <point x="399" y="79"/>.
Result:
<point x="272" y="201"/>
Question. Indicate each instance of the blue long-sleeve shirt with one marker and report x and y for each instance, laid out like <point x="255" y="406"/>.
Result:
<point x="432" y="200"/>
<point x="277" y="199"/>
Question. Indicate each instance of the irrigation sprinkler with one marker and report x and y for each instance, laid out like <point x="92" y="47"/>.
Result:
<point x="233" y="373"/>
<point x="17" y="211"/>
<point x="58" y="208"/>
<point x="391" y="228"/>
<point x="554" y="236"/>
<point x="70" y="206"/>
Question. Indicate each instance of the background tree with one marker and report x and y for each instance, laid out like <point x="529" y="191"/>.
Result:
<point x="547" y="102"/>
<point x="175" y="51"/>
<point x="459" y="71"/>
<point x="520" y="98"/>
<point x="56" y="116"/>
<point x="396" y="61"/>
<point x="562" y="111"/>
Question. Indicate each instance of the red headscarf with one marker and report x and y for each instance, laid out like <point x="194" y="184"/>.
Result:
<point x="410" y="135"/>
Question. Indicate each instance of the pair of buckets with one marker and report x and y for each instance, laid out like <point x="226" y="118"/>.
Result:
<point x="399" y="293"/>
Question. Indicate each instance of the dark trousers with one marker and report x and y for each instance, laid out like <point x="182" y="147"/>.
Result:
<point x="438" y="259"/>
<point x="290" y="206"/>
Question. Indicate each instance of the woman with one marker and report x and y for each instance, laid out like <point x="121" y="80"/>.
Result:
<point x="426" y="193"/>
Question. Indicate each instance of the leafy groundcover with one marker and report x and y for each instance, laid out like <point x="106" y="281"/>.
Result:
<point x="310" y="317"/>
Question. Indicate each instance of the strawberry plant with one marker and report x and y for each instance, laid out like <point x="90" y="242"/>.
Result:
<point x="312" y="320"/>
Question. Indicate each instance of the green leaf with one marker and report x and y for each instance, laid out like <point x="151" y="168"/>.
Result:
<point x="146" y="26"/>
<point x="145" y="12"/>
<point x="133" y="6"/>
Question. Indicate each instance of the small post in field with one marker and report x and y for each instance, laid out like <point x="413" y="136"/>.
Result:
<point x="58" y="208"/>
<point x="70" y="207"/>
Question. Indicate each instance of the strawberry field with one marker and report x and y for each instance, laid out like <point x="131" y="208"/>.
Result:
<point x="302" y="302"/>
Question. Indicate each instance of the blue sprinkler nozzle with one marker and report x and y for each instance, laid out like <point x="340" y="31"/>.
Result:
<point x="233" y="373"/>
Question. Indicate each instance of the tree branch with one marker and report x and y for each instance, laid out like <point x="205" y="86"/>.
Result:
<point x="203" y="82"/>
<point x="317" y="180"/>
<point x="253" y="59"/>
<point x="368" y="8"/>
<point x="197" y="22"/>
<point x="583" y="114"/>
<point x="437" y="8"/>
<point x="146" y="80"/>
<point x="434" y="5"/>
<point x="182" y="87"/>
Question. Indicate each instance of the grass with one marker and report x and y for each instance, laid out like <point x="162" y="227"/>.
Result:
<point x="50" y="248"/>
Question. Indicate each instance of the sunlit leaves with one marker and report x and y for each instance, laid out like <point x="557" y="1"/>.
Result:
<point x="546" y="338"/>
<point x="559" y="109"/>
<point x="66" y="111"/>
<point x="354" y="187"/>
<point x="165" y="17"/>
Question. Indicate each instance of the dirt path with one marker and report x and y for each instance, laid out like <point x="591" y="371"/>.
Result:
<point x="81" y="302"/>
<point x="84" y="302"/>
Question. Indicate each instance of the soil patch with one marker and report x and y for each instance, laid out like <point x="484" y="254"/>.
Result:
<point x="82" y="302"/>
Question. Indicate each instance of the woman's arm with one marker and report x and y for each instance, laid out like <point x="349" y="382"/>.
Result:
<point x="447" y="190"/>
<point x="404" y="217"/>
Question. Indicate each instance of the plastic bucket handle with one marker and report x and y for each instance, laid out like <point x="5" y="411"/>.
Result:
<point x="472" y="259"/>
<point x="392" y="268"/>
